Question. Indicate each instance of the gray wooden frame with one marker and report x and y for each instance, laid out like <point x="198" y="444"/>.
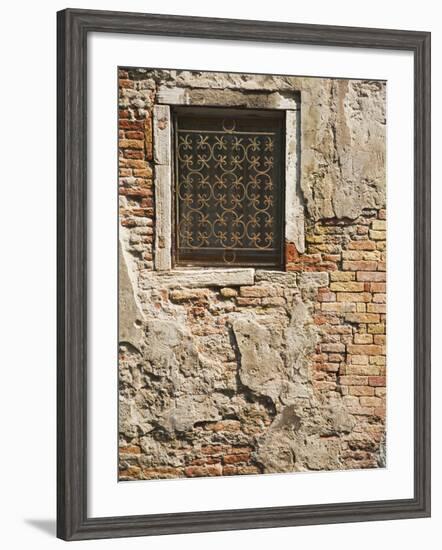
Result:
<point x="73" y="28"/>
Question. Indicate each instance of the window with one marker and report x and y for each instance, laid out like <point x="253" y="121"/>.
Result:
<point x="229" y="187"/>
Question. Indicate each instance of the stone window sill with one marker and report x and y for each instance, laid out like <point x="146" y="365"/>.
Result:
<point x="197" y="278"/>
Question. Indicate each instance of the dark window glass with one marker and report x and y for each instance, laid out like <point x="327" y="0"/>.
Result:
<point x="229" y="187"/>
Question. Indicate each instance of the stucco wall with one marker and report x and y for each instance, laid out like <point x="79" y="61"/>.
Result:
<point x="277" y="371"/>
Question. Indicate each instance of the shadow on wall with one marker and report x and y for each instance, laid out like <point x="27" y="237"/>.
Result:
<point x="47" y="526"/>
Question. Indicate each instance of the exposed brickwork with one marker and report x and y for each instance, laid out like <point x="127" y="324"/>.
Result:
<point x="333" y="328"/>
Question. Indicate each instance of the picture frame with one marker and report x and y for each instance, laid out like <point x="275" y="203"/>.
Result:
<point x="73" y="28"/>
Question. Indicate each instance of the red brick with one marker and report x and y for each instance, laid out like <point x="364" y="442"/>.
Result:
<point x="254" y="291"/>
<point x="346" y="286"/>
<point x="202" y="471"/>
<point x="378" y="287"/>
<point x="124" y="83"/>
<point x="126" y="124"/>
<point x="340" y="307"/>
<point x="362" y="245"/>
<point x="377" y="381"/>
<point x="363" y="338"/>
<point x="362" y="317"/>
<point x="362" y="370"/>
<point x="327" y="297"/>
<point x="358" y="391"/>
<point x="353" y="297"/>
<point x="353" y="380"/>
<point x="131" y="144"/>
<point x="235" y="458"/>
<point x="376" y="308"/>
<point x="361" y="265"/>
<point x="365" y="349"/>
<point x="342" y="276"/>
<point x="333" y="348"/>
<point x="248" y="301"/>
<point x="371" y="401"/>
<point x="375" y="276"/>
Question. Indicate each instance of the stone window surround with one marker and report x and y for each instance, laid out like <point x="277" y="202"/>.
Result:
<point x="163" y="164"/>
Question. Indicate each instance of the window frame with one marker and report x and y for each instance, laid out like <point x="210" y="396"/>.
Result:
<point x="166" y="101"/>
<point x="239" y="113"/>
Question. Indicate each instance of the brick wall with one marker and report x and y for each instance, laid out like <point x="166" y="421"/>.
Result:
<point x="307" y="394"/>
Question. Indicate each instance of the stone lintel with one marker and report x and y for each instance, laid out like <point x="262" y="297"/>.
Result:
<point x="226" y="98"/>
<point x="196" y="278"/>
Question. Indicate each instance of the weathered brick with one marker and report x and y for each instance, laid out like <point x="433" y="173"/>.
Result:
<point x="339" y="376"/>
<point x="361" y="411"/>
<point x="374" y="255"/>
<point x="327" y="297"/>
<point x="371" y="401"/>
<point x="145" y="172"/>
<point x="335" y="357"/>
<point x="255" y="291"/>
<point x="363" y="338"/>
<point x="129" y="451"/>
<point x="359" y="391"/>
<point x="362" y="245"/>
<point x="359" y="359"/>
<point x="362" y="317"/>
<point x="370" y="276"/>
<point x="379" y="225"/>
<point x="376" y="308"/>
<point x="228" y="292"/>
<point x="276" y="301"/>
<point x="376" y="380"/>
<point x="131" y="144"/>
<point x="361" y="265"/>
<point x="362" y="370"/>
<point x="378" y="235"/>
<point x="335" y="348"/>
<point x="225" y="426"/>
<point x="235" y="458"/>
<point x="342" y="276"/>
<point x="248" y="470"/>
<point x="125" y="83"/>
<point x="376" y="328"/>
<point x="335" y="307"/>
<point x="353" y="380"/>
<point x="378" y="287"/>
<point x="378" y="360"/>
<point x="347" y="286"/>
<point x="364" y="349"/>
<point x="186" y="295"/>
<point x="380" y="412"/>
<point x="248" y="301"/>
<point x="134" y="134"/>
<point x="353" y="296"/>
<point x="202" y="471"/>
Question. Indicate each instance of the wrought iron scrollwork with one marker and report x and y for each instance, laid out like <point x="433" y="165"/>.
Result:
<point x="228" y="202"/>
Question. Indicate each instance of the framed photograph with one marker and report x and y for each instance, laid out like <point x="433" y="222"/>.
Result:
<point x="243" y="274"/>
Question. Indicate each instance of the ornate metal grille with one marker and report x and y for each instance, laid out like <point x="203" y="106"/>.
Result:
<point x="229" y="188"/>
